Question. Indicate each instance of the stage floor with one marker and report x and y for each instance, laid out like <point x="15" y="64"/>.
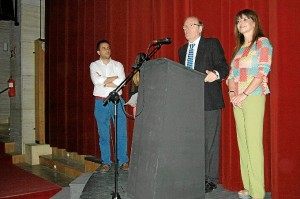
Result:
<point x="101" y="186"/>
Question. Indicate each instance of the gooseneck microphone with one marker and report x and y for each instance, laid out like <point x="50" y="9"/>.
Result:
<point x="167" y="40"/>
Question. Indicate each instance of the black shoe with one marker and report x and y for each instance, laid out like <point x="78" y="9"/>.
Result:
<point x="209" y="186"/>
<point x="208" y="189"/>
<point x="213" y="185"/>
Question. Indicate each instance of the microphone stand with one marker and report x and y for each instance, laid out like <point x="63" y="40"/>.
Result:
<point x="115" y="98"/>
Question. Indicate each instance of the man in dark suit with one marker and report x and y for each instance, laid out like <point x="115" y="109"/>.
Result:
<point x="206" y="55"/>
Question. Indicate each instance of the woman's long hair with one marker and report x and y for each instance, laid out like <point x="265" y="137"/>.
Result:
<point x="239" y="38"/>
<point x="139" y="58"/>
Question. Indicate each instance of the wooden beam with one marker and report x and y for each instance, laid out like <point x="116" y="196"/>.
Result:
<point x="39" y="92"/>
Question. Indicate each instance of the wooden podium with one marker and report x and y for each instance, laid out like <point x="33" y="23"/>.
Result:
<point x="167" y="156"/>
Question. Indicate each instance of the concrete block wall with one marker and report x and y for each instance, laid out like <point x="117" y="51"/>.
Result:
<point x="32" y="28"/>
<point x="20" y="110"/>
<point x="4" y="70"/>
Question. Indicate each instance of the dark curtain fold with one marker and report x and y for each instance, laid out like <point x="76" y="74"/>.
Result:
<point x="73" y="28"/>
<point x="71" y="97"/>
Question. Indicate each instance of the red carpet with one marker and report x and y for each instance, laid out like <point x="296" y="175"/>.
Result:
<point x="5" y="158"/>
<point x="16" y="183"/>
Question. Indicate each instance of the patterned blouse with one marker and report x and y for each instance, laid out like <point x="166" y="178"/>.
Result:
<point x="252" y="62"/>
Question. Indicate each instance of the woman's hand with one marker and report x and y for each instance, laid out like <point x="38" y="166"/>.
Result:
<point x="231" y="96"/>
<point x="237" y="101"/>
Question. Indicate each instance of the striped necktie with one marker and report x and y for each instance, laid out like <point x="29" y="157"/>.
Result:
<point x="190" y="58"/>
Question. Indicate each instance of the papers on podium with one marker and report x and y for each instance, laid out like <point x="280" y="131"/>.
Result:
<point x="133" y="99"/>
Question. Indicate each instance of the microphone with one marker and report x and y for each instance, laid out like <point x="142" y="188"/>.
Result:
<point x="167" y="40"/>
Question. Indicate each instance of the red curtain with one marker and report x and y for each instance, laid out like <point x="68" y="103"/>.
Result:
<point x="285" y="147"/>
<point x="73" y="28"/>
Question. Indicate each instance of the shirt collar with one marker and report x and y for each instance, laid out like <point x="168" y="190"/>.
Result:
<point x="196" y="42"/>
<point x="103" y="63"/>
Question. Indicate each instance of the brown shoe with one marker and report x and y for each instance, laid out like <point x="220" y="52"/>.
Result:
<point x="125" y="166"/>
<point x="105" y="168"/>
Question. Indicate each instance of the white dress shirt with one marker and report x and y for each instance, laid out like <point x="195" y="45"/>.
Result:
<point x="100" y="72"/>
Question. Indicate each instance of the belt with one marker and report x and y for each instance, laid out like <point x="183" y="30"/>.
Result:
<point x="100" y="98"/>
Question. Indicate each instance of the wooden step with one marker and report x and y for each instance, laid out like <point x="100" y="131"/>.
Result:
<point x="64" y="165"/>
<point x="69" y="163"/>
<point x="91" y="163"/>
<point x="17" y="158"/>
<point x="9" y="148"/>
<point x="8" y="144"/>
<point x="69" y="155"/>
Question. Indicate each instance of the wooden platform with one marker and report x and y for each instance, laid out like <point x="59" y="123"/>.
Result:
<point x="68" y="163"/>
<point x="71" y="164"/>
<point x="9" y="148"/>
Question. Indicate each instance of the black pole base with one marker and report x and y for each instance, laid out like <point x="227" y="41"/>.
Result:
<point x="115" y="195"/>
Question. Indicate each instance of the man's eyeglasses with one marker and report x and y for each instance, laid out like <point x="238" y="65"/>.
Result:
<point x="190" y="26"/>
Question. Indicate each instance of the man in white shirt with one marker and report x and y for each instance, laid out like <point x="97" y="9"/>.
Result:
<point x="106" y="75"/>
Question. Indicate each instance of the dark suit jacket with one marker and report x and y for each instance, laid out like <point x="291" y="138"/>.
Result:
<point x="210" y="56"/>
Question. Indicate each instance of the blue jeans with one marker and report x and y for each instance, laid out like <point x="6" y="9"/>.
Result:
<point x="103" y="114"/>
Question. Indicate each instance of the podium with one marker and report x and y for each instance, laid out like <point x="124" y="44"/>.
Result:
<point x="168" y="151"/>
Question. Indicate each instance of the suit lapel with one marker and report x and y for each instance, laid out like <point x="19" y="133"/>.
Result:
<point x="183" y="53"/>
<point x="200" y="55"/>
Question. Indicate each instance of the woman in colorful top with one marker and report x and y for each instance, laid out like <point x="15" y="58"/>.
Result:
<point x="247" y="83"/>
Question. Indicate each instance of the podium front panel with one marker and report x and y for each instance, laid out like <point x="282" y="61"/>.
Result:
<point x="167" y="156"/>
